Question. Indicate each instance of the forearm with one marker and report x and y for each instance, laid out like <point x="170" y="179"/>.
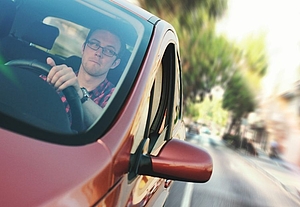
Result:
<point x="91" y="112"/>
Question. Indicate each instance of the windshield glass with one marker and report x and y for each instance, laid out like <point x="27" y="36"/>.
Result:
<point x="102" y="44"/>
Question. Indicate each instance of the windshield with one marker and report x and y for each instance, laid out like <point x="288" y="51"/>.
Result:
<point x="98" y="40"/>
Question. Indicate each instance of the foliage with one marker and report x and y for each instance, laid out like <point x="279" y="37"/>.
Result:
<point x="255" y="61"/>
<point x="254" y="47"/>
<point x="238" y="98"/>
<point x="207" y="111"/>
<point x="209" y="60"/>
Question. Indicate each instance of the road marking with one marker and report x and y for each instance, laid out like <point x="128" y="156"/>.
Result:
<point x="187" y="195"/>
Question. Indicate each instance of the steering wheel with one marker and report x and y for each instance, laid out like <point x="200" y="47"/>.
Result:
<point x="70" y="92"/>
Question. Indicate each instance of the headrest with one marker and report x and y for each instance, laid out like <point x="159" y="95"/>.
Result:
<point x="115" y="74"/>
<point x="41" y="34"/>
<point x="7" y="16"/>
<point x="73" y="62"/>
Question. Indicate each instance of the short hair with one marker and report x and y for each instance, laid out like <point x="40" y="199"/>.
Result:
<point x="113" y="31"/>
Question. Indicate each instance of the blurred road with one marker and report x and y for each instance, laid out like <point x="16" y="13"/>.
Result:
<point x="235" y="183"/>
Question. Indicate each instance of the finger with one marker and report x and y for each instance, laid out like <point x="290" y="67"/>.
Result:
<point x="62" y="74"/>
<point x="64" y="83"/>
<point x="55" y="73"/>
<point x="50" y="62"/>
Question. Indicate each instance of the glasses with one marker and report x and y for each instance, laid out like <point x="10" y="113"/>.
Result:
<point x="94" y="45"/>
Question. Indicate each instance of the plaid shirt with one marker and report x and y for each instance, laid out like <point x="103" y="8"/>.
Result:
<point x="100" y="95"/>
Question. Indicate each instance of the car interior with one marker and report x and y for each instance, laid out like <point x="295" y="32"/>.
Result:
<point x="33" y="39"/>
<point x="37" y="35"/>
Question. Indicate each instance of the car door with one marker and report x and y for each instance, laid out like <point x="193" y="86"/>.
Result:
<point x="161" y="117"/>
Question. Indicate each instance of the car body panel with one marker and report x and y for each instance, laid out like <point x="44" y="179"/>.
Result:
<point x="43" y="170"/>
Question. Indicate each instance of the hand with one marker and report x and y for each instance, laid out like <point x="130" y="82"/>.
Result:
<point x="61" y="76"/>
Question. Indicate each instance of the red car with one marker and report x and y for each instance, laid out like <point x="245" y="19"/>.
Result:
<point x="135" y="148"/>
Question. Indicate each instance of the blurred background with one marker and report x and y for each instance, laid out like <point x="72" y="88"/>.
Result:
<point x="241" y="68"/>
<point x="241" y="81"/>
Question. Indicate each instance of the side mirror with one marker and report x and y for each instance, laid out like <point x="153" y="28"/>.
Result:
<point x="178" y="160"/>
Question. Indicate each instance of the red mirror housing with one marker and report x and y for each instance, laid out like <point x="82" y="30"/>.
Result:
<point x="178" y="160"/>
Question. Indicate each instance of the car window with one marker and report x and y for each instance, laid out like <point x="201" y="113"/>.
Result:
<point x="178" y="92"/>
<point x="167" y="113"/>
<point x="158" y="113"/>
<point x="42" y="29"/>
<point x="70" y="39"/>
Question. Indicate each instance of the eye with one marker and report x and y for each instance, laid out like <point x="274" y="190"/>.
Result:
<point x="95" y="44"/>
<point x="108" y="51"/>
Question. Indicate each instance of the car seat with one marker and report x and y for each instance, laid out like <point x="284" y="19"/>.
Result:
<point x="7" y="16"/>
<point x="24" y="47"/>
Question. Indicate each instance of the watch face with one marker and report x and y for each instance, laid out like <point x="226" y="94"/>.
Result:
<point x="86" y="95"/>
<point x="85" y="92"/>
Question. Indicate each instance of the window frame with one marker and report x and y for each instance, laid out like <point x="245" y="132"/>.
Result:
<point x="110" y="113"/>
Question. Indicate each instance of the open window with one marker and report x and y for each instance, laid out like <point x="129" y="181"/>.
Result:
<point x="155" y="152"/>
<point x="157" y="119"/>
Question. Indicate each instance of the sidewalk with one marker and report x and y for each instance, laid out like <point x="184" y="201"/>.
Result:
<point x="282" y="173"/>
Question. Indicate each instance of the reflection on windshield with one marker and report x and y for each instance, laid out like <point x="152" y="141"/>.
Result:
<point x="63" y="47"/>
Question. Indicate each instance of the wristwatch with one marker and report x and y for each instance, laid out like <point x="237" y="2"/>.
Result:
<point x="86" y="95"/>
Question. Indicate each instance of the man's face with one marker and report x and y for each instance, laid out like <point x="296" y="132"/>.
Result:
<point x="94" y="61"/>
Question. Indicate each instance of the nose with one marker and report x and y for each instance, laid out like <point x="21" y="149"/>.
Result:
<point x="99" y="52"/>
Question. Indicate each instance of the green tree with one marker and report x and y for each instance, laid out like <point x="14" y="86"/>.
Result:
<point x="255" y="59"/>
<point x="210" y="61"/>
<point x="206" y="58"/>
<point x="238" y="99"/>
<point x="209" y="112"/>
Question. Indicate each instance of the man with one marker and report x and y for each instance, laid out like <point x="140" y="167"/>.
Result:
<point x="100" y="53"/>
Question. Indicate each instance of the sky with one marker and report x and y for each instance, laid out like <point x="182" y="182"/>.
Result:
<point x="280" y="21"/>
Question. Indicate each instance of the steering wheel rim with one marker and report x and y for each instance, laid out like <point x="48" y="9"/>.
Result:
<point x="69" y="92"/>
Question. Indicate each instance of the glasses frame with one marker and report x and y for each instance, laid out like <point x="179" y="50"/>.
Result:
<point x="105" y="51"/>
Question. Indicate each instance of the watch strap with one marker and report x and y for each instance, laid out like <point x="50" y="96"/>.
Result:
<point x="86" y="95"/>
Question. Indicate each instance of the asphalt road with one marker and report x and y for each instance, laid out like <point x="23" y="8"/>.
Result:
<point x="234" y="183"/>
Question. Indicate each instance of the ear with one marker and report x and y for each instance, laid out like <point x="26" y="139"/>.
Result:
<point x="115" y="63"/>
